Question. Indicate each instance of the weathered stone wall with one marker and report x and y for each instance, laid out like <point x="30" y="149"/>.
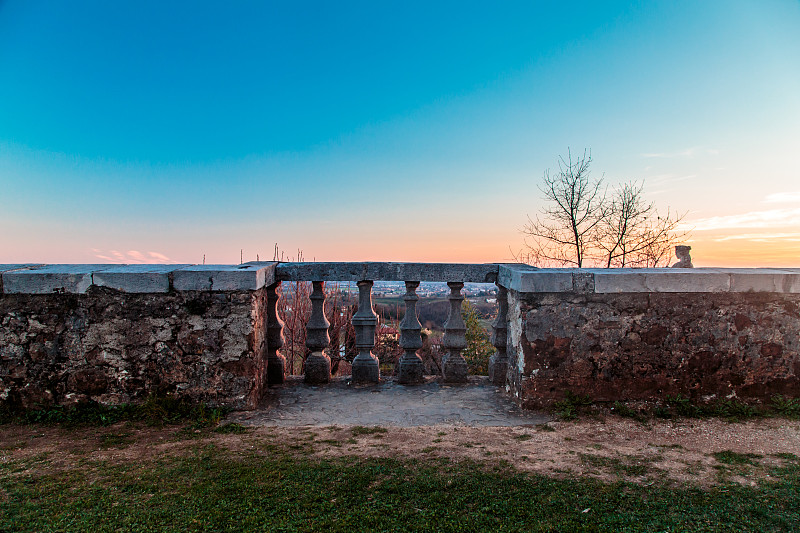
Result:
<point x="113" y="347"/>
<point x="118" y="333"/>
<point x="635" y="346"/>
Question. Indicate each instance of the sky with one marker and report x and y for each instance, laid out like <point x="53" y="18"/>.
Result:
<point x="379" y="131"/>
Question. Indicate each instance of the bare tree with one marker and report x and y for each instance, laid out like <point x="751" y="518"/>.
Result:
<point x="339" y="309"/>
<point x="565" y="231"/>
<point x="661" y="234"/>
<point x="632" y="233"/>
<point x="294" y="308"/>
<point x="582" y="225"/>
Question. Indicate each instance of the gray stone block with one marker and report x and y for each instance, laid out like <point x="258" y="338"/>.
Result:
<point x="498" y="370"/>
<point x="245" y="277"/>
<point x="614" y="280"/>
<point x="365" y="371"/>
<point x="463" y="272"/>
<point x="582" y="282"/>
<point x="764" y="280"/>
<point x="48" y="279"/>
<point x="410" y="370"/>
<point x="621" y="280"/>
<point x="454" y="369"/>
<point x="9" y="268"/>
<point x="136" y="278"/>
<point x="524" y="278"/>
<point x="317" y="368"/>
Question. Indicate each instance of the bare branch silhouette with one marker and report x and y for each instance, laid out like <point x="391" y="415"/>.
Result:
<point x="583" y="225"/>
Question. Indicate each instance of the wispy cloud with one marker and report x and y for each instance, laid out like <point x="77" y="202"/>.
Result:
<point x="662" y="179"/>
<point x="131" y="256"/>
<point x="770" y="218"/>
<point x="760" y="237"/>
<point x="689" y="152"/>
<point x="789" y="197"/>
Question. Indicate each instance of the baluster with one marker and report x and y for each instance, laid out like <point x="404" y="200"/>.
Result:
<point x="410" y="368"/>
<point x="498" y="363"/>
<point x="366" y="368"/>
<point x="454" y="366"/>
<point x="276" y="362"/>
<point x="318" y="364"/>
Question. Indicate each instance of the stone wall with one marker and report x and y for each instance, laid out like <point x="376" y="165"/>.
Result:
<point x="117" y="333"/>
<point x="644" y="335"/>
<point x="118" y="337"/>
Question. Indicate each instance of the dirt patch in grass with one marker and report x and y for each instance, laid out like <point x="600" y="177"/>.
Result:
<point x="694" y="452"/>
<point x="611" y="449"/>
<point x="66" y="448"/>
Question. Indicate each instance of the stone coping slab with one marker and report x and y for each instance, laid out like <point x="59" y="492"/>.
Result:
<point x="376" y="271"/>
<point x="47" y="279"/>
<point x="145" y="278"/>
<point x="139" y="278"/>
<point x="525" y="278"/>
<point x="9" y="268"/>
<point x="636" y="280"/>
<point x="246" y="277"/>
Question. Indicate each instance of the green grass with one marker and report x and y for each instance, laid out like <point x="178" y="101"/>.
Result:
<point x="679" y="406"/>
<point x="623" y="410"/>
<point x="729" y="409"/>
<point x="154" y="411"/>
<point x="785" y="406"/>
<point x="623" y="465"/>
<point x="232" y="427"/>
<point x="212" y="489"/>
<point x="363" y="430"/>
<point x="571" y="406"/>
<point x="733" y="458"/>
<point x="115" y="440"/>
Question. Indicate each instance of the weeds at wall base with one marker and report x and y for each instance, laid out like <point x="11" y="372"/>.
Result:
<point x="155" y="411"/>
<point x="733" y="410"/>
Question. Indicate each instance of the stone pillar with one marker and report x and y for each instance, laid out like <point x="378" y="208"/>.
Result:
<point x="276" y="362"/>
<point x="410" y="368"/>
<point x="366" y="368"/>
<point x="318" y="364"/>
<point x="454" y="367"/>
<point x="498" y="363"/>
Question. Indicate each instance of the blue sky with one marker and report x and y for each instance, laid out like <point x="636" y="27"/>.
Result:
<point x="137" y="131"/>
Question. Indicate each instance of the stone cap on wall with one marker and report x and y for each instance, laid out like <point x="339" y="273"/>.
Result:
<point x="383" y="271"/>
<point x="523" y="278"/>
<point x="159" y="278"/>
<point x="141" y="278"/>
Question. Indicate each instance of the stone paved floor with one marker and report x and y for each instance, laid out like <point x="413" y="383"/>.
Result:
<point x="477" y="403"/>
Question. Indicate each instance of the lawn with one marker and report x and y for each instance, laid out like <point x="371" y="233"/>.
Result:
<point x="261" y="485"/>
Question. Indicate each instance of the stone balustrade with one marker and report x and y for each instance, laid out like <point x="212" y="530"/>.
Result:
<point x="365" y="366"/>
<point x="115" y="333"/>
<point x="410" y="367"/>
